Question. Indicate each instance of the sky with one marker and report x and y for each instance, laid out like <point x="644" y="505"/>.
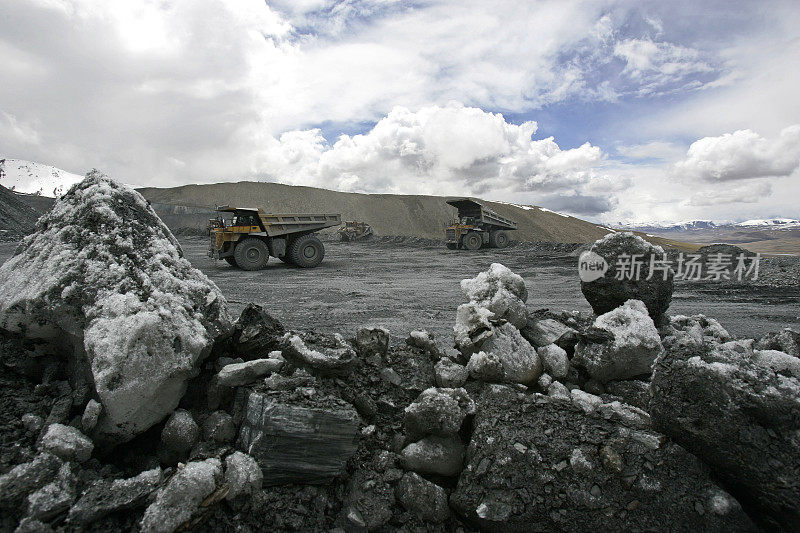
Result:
<point x="610" y="110"/>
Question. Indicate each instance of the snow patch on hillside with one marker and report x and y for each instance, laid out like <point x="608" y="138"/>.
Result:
<point x="34" y="178"/>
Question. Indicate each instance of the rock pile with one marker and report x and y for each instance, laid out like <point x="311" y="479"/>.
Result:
<point x="155" y="413"/>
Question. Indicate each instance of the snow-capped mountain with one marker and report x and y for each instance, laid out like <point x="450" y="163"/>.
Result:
<point x="669" y="226"/>
<point x="34" y="178"/>
<point x="777" y="223"/>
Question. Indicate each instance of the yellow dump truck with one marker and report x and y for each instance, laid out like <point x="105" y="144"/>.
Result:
<point x="477" y="226"/>
<point x="246" y="237"/>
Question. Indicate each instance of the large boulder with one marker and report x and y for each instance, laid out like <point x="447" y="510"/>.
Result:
<point x="738" y="409"/>
<point x="631" y="351"/>
<point x="544" y="464"/>
<point x="308" y="442"/>
<point x="624" y="280"/>
<point x="104" y="280"/>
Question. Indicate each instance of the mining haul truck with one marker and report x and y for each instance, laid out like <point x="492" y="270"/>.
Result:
<point x="251" y="236"/>
<point x="355" y="231"/>
<point x="477" y="226"/>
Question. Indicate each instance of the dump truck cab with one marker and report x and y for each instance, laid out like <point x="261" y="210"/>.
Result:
<point x="476" y="225"/>
<point x="247" y="236"/>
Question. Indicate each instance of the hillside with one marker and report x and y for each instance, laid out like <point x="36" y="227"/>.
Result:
<point x="35" y="178"/>
<point x="16" y="218"/>
<point x="389" y="214"/>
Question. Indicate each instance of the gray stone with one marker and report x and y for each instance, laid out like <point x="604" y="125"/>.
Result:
<point x="242" y="474"/>
<point x="737" y="409"/>
<point x="520" y="362"/>
<point x="25" y="478"/>
<point x="256" y="333"/>
<point x="541" y="332"/>
<point x="787" y="341"/>
<point x="308" y="443"/>
<point x="91" y="414"/>
<point x="32" y="423"/>
<point x="180" y="433"/>
<point x="328" y="355"/>
<point x="372" y="342"/>
<point x="437" y="411"/>
<point x="238" y="374"/>
<point x="54" y="498"/>
<point x="423" y="340"/>
<point x="631" y="353"/>
<point x="371" y="496"/>
<point x="177" y="501"/>
<point x="450" y="374"/>
<point x="67" y="443"/>
<point x="219" y="427"/>
<point x="108" y="496"/>
<point x="426" y="500"/>
<point x="434" y="455"/>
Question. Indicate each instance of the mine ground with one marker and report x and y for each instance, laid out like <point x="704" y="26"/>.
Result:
<point x="415" y="286"/>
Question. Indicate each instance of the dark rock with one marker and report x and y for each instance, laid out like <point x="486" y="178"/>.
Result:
<point x="633" y="392"/>
<point x="581" y="473"/>
<point x="180" y="434"/>
<point x="55" y="497"/>
<point x="371" y="497"/>
<point x="739" y="411"/>
<point x="219" y="427"/>
<point x="256" y="333"/>
<point x="326" y="355"/>
<point x="371" y="342"/>
<point x="107" y="496"/>
<point x="434" y="455"/>
<point x="298" y="443"/>
<point x="25" y="478"/>
<point x="543" y="331"/>
<point x="423" y="498"/>
<point x="607" y="293"/>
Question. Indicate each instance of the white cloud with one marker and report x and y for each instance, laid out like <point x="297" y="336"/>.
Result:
<point x="749" y="193"/>
<point x="740" y="155"/>
<point x="652" y="150"/>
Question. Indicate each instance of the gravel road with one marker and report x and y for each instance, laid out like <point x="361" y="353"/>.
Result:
<point x="405" y="287"/>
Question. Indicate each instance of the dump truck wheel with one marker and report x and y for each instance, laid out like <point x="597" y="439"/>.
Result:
<point x="306" y="251"/>
<point x="251" y="254"/>
<point x="498" y="239"/>
<point x="452" y="245"/>
<point x="472" y="241"/>
<point x="230" y="260"/>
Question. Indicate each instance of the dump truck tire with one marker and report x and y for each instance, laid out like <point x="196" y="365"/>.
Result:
<point x="452" y="245"/>
<point x="498" y="239"/>
<point x="251" y="254"/>
<point x="230" y="260"/>
<point x="306" y="251"/>
<point x="472" y="241"/>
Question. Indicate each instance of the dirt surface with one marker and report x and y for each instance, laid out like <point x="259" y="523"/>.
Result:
<point x="406" y="287"/>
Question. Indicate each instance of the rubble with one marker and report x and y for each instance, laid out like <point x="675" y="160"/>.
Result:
<point x="25" y="478"/>
<point x="737" y="409"/>
<point x="518" y="474"/>
<point x="372" y="342"/>
<point x="607" y="292"/>
<point x="106" y="496"/>
<point x="54" y="498"/>
<point x="104" y="281"/>
<point x="242" y="474"/>
<point x="631" y="353"/>
<point x="423" y="498"/>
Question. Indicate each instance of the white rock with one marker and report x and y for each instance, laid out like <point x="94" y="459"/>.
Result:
<point x="177" y="501"/>
<point x="500" y="291"/>
<point x="471" y="321"/>
<point x="242" y="474"/>
<point x="635" y="346"/>
<point x="485" y="367"/>
<point x="521" y="363"/>
<point x="423" y="340"/>
<point x="67" y="443"/>
<point x="103" y="275"/>
<point x="555" y="360"/>
<point x="437" y="411"/>
<point x="238" y="374"/>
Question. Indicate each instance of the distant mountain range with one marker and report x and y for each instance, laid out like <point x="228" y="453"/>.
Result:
<point x="703" y="225"/>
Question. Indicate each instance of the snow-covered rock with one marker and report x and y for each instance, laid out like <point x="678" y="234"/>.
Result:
<point x="449" y="373"/>
<point x="520" y="362"/>
<point x="500" y="291"/>
<point x="635" y="346"/>
<point x="472" y="327"/>
<point x="484" y="366"/>
<point x="555" y="360"/>
<point x="104" y="278"/>
<point x="695" y="330"/>
<point x="177" y="501"/>
<point x="423" y="340"/>
<point x="434" y="455"/>
<point x="437" y="411"/>
<point x="67" y="443"/>
<point x="323" y="354"/>
<point x="35" y="178"/>
<point x="242" y="474"/>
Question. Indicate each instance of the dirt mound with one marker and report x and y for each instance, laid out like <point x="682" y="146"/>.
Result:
<point x="388" y="214"/>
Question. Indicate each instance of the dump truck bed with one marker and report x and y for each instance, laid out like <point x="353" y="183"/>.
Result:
<point x="481" y="213"/>
<point x="276" y="225"/>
